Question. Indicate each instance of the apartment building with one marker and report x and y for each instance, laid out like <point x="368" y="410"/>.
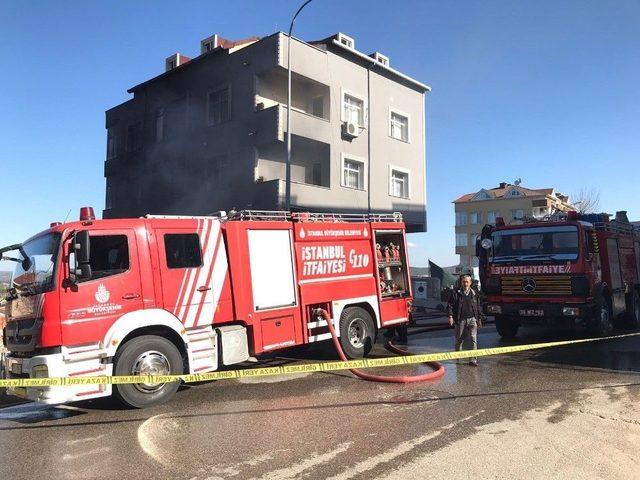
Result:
<point x="513" y="202"/>
<point x="209" y="133"/>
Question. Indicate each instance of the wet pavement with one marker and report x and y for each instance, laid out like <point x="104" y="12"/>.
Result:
<point x="563" y="412"/>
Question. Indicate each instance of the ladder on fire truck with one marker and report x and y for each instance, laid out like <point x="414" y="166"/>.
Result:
<point x="282" y="215"/>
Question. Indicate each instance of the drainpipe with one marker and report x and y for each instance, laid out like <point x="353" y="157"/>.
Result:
<point x="371" y="65"/>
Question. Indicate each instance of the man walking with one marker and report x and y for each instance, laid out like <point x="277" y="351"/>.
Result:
<point x="466" y="315"/>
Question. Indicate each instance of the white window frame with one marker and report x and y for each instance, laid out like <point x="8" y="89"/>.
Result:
<point x="514" y="214"/>
<point x="514" y="192"/>
<point x="353" y="158"/>
<point x="495" y="213"/>
<point x="357" y="96"/>
<point x="478" y="218"/>
<point x="466" y="218"/>
<point x="482" y="195"/>
<point x="466" y="240"/>
<point x="214" y="90"/>
<point x="346" y="41"/>
<point x="381" y="59"/>
<point x="212" y="40"/>
<point x="393" y="168"/>
<point x="395" y="111"/>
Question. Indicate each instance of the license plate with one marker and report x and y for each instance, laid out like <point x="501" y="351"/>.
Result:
<point x="532" y="313"/>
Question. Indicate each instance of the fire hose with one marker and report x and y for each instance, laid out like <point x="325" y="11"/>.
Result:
<point x="438" y="367"/>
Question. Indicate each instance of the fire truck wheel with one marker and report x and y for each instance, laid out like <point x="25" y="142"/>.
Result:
<point x="602" y="325"/>
<point x="357" y="332"/>
<point x="147" y="355"/>
<point x="634" y="312"/>
<point x="506" y="327"/>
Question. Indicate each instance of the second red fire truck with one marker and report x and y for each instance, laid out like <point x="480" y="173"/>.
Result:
<point x="570" y="270"/>
<point x="162" y="294"/>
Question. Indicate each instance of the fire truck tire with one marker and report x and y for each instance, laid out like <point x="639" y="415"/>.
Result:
<point x="506" y="327"/>
<point x="601" y="324"/>
<point x="357" y="332"/>
<point x="633" y="315"/>
<point x="147" y="355"/>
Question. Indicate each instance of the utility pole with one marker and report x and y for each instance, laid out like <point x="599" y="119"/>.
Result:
<point x="288" y="164"/>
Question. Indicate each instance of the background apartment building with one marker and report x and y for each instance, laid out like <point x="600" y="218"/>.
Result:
<point x="512" y="202"/>
<point x="209" y="134"/>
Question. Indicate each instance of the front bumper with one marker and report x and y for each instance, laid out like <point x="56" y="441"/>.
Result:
<point x="62" y="364"/>
<point x="541" y="313"/>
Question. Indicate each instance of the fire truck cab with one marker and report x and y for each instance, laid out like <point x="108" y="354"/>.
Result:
<point x="569" y="270"/>
<point x="165" y="294"/>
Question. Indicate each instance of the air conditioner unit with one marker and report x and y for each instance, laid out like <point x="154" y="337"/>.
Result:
<point x="350" y="129"/>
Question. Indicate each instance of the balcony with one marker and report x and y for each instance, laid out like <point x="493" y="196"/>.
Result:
<point x="271" y="126"/>
<point x="310" y="107"/>
<point x="310" y="162"/>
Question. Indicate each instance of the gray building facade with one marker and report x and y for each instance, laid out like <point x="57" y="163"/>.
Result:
<point x="209" y="134"/>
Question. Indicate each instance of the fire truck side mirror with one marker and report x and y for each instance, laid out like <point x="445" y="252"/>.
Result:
<point x="79" y="262"/>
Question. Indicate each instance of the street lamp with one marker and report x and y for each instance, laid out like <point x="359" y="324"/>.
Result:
<point x="288" y="164"/>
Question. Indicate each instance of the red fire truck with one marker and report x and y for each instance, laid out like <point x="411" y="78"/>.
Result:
<point x="169" y="294"/>
<point x="569" y="270"/>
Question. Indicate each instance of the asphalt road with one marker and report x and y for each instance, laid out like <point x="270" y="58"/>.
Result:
<point x="569" y="412"/>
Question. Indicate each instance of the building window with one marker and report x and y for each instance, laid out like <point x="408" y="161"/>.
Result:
<point x="399" y="183"/>
<point x="399" y="126"/>
<point x="218" y="106"/>
<point x="462" y="240"/>
<point x="491" y="217"/>
<point x="134" y="137"/>
<point x="514" y="192"/>
<point x="159" y="125"/>
<point x="316" y="174"/>
<point x="352" y="109"/>
<point x="182" y="250"/>
<point x="517" y="214"/>
<point x="346" y="40"/>
<point x="382" y="59"/>
<point x="461" y="218"/>
<point x="353" y="173"/>
<point x="475" y="218"/>
<point x="317" y="107"/>
<point x="482" y="195"/>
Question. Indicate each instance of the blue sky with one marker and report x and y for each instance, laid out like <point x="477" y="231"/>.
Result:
<point x="543" y="90"/>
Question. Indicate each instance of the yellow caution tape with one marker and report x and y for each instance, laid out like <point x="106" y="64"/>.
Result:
<point x="289" y="369"/>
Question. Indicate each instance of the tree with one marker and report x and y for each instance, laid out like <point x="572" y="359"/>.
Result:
<point x="587" y="200"/>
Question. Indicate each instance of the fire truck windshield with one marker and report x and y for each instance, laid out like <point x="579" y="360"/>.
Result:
<point x="535" y="244"/>
<point x="42" y="252"/>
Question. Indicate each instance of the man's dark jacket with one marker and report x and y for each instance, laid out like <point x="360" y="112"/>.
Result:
<point x="453" y="308"/>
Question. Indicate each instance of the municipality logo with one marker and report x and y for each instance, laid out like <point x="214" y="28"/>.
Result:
<point x="102" y="294"/>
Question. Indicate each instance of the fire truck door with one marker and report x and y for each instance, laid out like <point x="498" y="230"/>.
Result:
<point x="192" y="267"/>
<point x="617" y="285"/>
<point x="273" y="286"/>
<point x="88" y="309"/>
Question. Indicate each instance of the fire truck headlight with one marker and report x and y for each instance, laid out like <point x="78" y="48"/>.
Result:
<point x="571" y="311"/>
<point x="494" y="309"/>
<point x="40" y="371"/>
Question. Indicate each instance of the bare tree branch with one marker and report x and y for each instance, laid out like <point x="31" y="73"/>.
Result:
<point x="587" y="200"/>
